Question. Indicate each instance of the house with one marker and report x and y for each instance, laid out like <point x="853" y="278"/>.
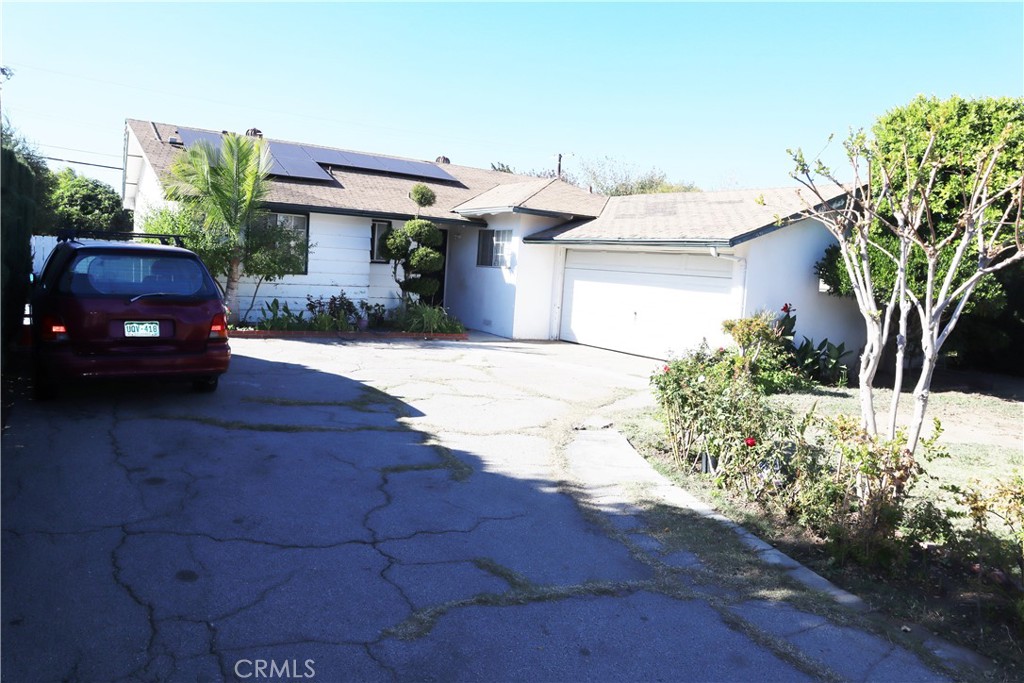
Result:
<point x="533" y="258"/>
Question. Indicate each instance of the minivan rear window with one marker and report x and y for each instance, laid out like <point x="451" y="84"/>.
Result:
<point x="132" y="274"/>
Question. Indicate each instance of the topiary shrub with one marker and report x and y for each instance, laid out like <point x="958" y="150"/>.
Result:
<point x="413" y="249"/>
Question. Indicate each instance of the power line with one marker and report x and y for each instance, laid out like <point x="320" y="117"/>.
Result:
<point x="84" y="151"/>
<point x="414" y="133"/>
<point x="84" y="163"/>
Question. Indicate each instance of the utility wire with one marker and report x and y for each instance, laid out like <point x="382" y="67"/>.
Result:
<point x="85" y="151"/>
<point x="84" y="163"/>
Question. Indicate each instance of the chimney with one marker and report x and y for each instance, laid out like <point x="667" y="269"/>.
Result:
<point x="443" y="160"/>
<point x="254" y="133"/>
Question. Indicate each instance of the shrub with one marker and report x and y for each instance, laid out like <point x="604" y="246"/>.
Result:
<point x="717" y="415"/>
<point x="429" y="320"/>
<point x="822" y="363"/>
<point x="851" y="489"/>
<point x="766" y="345"/>
<point x="765" y="348"/>
<point x="337" y="313"/>
<point x="987" y="506"/>
<point x="374" y="314"/>
<point x="278" y="316"/>
<point x="422" y="195"/>
<point x="857" y="492"/>
<point x="19" y="208"/>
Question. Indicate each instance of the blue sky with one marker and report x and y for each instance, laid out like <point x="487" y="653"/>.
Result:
<point x="709" y="93"/>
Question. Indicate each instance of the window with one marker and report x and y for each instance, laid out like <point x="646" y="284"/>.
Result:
<point x="377" y="234"/>
<point x="132" y="274"/>
<point x="492" y="247"/>
<point x="296" y="229"/>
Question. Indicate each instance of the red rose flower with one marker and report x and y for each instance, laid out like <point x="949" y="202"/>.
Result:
<point x="750" y="441"/>
<point x="665" y="369"/>
<point x="787" y="308"/>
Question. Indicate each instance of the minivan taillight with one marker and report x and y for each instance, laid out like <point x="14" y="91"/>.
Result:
<point x="52" y="329"/>
<point x="219" y="327"/>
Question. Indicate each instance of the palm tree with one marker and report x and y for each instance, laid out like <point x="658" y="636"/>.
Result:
<point x="228" y="187"/>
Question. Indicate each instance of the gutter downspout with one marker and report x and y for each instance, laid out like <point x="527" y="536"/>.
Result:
<point x="742" y="263"/>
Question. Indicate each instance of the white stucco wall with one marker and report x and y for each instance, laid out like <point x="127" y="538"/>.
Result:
<point x="780" y="270"/>
<point x="515" y="301"/>
<point x="537" y="276"/>
<point x="483" y="298"/>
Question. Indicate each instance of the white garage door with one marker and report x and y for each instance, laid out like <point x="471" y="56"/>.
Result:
<point x="649" y="304"/>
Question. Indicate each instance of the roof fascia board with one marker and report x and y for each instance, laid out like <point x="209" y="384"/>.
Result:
<point x="695" y="244"/>
<point x="476" y="213"/>
<point x="788" y="220"/>
<point x="772" y="227"/>
<point x="282" y="207"/>
<point x="494" y="210"/>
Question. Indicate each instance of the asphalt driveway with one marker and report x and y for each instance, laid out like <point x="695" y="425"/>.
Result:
<point x="335" y="512"/>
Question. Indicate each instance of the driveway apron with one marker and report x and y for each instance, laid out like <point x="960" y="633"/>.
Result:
<point x="356" y="511"/>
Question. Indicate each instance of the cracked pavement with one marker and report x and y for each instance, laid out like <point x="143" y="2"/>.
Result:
<point x="364" y="512"/>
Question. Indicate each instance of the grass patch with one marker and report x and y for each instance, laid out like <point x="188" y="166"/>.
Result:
<point x="457" y="469"/>
<point x="421" y="622"/>
<point x="240" y="425"/>
<point x="514" y="579"/>
<point x="371" y="400"/>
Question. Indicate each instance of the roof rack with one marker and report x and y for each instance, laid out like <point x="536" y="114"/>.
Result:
<point x="122" y="236"/>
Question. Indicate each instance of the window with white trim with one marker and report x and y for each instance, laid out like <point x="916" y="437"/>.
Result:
<point x="492" y="248"/>
<point x="378" y="232"/>
<point x="297" y="227"/>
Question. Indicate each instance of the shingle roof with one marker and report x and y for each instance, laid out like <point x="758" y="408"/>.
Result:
<point x="724" y="217"/>
<point x="367" y="192"/>
<point x="544" y="195"/>
<point x="721" y="218"/>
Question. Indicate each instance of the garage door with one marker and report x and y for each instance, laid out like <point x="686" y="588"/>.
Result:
<point x="649" y="304"/>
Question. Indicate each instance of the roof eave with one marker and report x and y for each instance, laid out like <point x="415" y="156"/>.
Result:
<point x="683" y="244"/>
<point x="283" y="207"/>
<point x="494" y="210"/>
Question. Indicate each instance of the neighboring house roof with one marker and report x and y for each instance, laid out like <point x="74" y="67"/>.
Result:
<point x="544" y="196"/>
<point x="379" y="194"/>
<point x="723" y="218"/>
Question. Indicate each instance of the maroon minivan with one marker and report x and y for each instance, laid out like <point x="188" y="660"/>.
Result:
<point x="124" y="310"/>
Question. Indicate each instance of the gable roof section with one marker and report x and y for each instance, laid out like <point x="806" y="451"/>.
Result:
<point x="541" y="196"/>
<point x="356" y="192"/>
<point x="724" y="218"/>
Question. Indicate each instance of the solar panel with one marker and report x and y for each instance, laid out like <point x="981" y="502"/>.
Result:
<point x="302" y="161"/>
<point x="333" y="157"/>
<point x="292" y="160"/>
<point x="370" y="162"/>
<point x="190" y="137"/>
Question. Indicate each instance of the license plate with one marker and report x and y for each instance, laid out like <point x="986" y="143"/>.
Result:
<point x="142" y="329"/>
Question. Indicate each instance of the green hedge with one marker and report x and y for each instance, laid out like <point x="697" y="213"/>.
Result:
<point x="18" y="211"/>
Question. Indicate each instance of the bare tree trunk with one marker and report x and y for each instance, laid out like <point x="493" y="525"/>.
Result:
<point x="901" y="337"/>
<point x="252" y="301"/>
<point x="231" y="290"/>
<point x="922" y="390"/>
<point x="868" y="367"/>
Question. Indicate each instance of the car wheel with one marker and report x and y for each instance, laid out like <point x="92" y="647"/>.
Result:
<point x="206" y="385"/>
